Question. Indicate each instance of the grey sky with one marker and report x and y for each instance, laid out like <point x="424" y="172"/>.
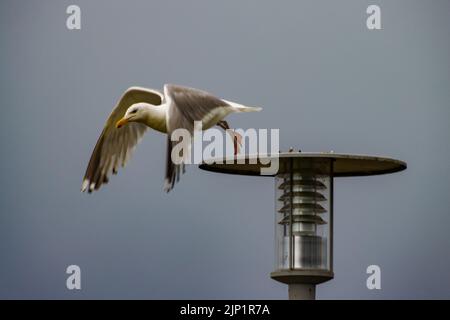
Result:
<point x="325" y="80"/>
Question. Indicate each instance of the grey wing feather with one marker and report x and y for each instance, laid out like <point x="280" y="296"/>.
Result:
<point x="115" y="146"/>
<point x="187" y="105"/>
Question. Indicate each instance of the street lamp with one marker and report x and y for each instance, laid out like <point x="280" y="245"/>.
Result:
<point x="304" y="209"/>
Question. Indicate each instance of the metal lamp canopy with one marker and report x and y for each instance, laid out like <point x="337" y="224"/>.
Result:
<point x="344" y="165"/>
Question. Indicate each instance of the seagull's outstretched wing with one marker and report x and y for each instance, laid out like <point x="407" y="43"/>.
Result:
<point x="115" y="146"/>
<point x="186" y="105"/>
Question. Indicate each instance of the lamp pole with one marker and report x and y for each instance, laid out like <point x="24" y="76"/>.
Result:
<point x="301" y="291"/>
<point x="304" y="214"/>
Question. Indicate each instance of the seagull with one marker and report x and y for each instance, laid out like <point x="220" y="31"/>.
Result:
<point x="140" y="109"/>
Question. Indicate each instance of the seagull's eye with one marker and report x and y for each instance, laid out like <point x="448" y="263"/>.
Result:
<point x="133" y="111"/>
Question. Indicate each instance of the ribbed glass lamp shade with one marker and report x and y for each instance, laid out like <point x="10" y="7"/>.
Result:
<point x="303" y="191"/>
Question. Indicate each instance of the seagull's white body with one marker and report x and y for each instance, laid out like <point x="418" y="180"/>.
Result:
<point x="140" y="109"/>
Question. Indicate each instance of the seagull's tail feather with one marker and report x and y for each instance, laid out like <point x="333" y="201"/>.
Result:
<point x="241" y="108"/>
<point x="249" y="109"/>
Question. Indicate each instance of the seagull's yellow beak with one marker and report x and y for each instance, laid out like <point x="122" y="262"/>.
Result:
<point x="121" y="122"/>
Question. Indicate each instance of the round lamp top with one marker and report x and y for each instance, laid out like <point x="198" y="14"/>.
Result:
<point x="344" y="165"/>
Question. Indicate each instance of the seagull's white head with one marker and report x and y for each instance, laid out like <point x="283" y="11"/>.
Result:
<point x="136" y="113"/>
<point x="146" y="113"/>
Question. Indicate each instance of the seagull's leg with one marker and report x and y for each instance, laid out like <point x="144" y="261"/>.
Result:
<point x="237" y="138"/>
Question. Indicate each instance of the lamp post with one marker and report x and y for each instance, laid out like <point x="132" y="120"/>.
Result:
<point x="304" y="209"/>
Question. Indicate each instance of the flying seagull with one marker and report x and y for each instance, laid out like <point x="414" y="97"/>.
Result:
<point x="140" y="109"/>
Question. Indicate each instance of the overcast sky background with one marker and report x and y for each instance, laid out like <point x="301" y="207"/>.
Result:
<point x="321" y="76"/>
